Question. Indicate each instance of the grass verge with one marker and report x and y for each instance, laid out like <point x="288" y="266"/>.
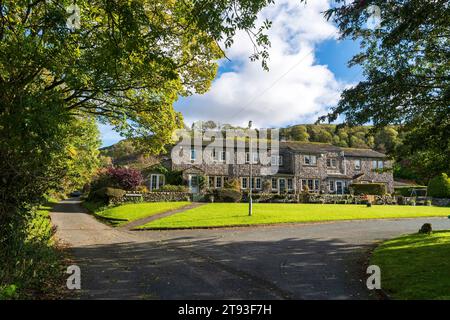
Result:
<point x="125" y="213"/>
<point x="32" y="264"/>
<point x="236" y="214"/>
<point x="415" y="266"/>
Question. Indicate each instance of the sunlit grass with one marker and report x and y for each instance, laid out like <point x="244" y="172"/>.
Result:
<point x="415" y="266"/>
<point x="236" y="214"/>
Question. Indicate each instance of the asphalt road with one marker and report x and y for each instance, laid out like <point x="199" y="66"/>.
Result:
<point x="297" y="261"/>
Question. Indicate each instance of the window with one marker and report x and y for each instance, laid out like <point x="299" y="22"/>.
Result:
<point x="218" y="182"/>
<point x="312" y="184"/>
<point x="331" y="185"/>
<point x="374" y="164"/>
<point x="255" y="157"/>
<point x="290" y="184"/>
<point x="377" y="164"/>
<point x="274" y="184"/>
<point x="247" y="157"/>
<point x="225" y="180"/>
<point x="223" y="156"/>
<point x="193" y="154"/>
<point x="310" y="160"/>
<point x="358" y="164"/>
<point x="211" y="182"/>
<point x="244" y="183"/>
<point x="276" y="160"/>
<point x="331" y="163"/>
<point x="156" y="181"/>
<point x="258" y="183"/>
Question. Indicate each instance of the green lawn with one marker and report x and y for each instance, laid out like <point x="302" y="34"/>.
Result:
<point x="415" y="266"/>
<point x="236" y="214"/>
<point x="130" y="212"/>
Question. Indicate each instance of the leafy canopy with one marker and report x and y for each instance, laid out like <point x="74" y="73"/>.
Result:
<point x="406" y="69"/>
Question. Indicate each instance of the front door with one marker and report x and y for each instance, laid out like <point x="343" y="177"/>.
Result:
<point x="282" y="185"/>
<point x="339" y="187"/>
<point x="193" y="183"/>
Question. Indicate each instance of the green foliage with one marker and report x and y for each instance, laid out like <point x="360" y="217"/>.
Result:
<point x="30" y="264"/>
<point x="439" y="186"/>
<point x="227" y="195"/>
<point x="378" y="189"/>
<point x="106" y="195"/>
<point x="233" y="183"/>
<point x="173" y="188"/>
<point x="405" y="64"/>
<point x="83" y="161"/>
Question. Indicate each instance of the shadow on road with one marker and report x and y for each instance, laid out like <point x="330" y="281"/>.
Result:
<point x="189" y="268"/>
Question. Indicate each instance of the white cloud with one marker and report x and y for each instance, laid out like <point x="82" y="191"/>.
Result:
<point x="296" y="89"/>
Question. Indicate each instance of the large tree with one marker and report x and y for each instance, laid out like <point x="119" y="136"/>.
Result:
<point x="126" y="65"/>
<point x="407" y="74"/>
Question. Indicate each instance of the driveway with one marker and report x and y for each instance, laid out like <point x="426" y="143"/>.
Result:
<point x="297" y="261"/>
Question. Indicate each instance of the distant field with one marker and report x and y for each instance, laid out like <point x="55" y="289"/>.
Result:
<point x="130" y="212"/>
<point x="236" y="214"/>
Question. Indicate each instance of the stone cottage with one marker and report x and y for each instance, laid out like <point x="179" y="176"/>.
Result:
<point x="323" y="168"/>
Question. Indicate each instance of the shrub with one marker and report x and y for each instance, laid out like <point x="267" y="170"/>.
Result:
<point x="233" y="184"/>
<point x="267" y="186"/>
<point x="173" y="188"/>
<point x="227" y="195"/>
<point x="125" y="178"/>
<point x="439" y="186"/>
<point x="142" y="189"/>
<point x="378" y="189"/>
<point x="107" y="195"/>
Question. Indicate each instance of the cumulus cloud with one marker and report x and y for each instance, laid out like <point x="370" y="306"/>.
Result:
<point x="296" y="89"/>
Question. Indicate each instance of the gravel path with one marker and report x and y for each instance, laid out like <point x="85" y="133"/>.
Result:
<point x="297" y="261"/>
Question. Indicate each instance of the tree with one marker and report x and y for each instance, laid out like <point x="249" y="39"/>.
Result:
<point x="405" y="64"/>
<point x="439" y="186"/>
<point x="126" y="65"/>
<point x="83" y="141"/>
<point x="299" y="133"/>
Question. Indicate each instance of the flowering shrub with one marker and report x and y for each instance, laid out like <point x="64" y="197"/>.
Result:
<point x="125" y="178"/>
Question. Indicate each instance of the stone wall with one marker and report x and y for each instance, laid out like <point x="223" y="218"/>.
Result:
<point x="441" y="202"/>
<point x="157" y="197"/>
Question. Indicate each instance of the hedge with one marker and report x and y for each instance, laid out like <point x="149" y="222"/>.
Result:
<point x="439" y="186"/>
<point x="106" y="195"/>
<point x="377" y="189"/>
<point x="227" y="195"/>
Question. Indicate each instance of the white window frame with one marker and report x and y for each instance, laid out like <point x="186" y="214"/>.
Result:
<point x="160" y="181"/>
<point x="333" y="163"/>
<point x="310" y="157"/>
<point x="244" y="186"/>
<point x="258" y="181"/>
<point x="276" y="184"/>
<point x="291" y="188"/>
<point x="217" y="184"/>
<point x="358" y="164"/>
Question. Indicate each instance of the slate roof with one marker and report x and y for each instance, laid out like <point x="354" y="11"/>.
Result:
<point x="325" y="147"/>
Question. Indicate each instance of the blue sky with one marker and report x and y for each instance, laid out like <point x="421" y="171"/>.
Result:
<point x="308" y="71"/>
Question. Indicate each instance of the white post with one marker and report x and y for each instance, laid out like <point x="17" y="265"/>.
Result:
<point x="250" y="202"/>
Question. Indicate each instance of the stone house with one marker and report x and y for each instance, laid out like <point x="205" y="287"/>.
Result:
<point x="323" y="168"/>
